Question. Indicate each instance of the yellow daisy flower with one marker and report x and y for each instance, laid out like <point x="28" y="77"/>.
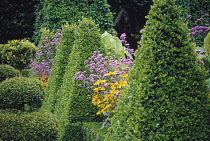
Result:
<point x="123" y="83"/>
<point x="113" y="91"/>
<point x="100" y="111"/>
<point x="99" y="89"/>
<point x="96" y="101"/>
<point x="99" y="82"/>
<point x="110" y="73"/>
<point x="115" y="86"/>
<point x="124" y="75"/>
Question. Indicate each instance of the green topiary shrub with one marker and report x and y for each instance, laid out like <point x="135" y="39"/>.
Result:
<point x="207" y="43"/>
<point x="73" y="103"/>
<point x="36" y="126"/>
<point x="15" y="93"/>
<point x="18" y="54"/>
<point x="59" y="65"/>
<point x="167" y="96"/>
<point x="7" y="71"/>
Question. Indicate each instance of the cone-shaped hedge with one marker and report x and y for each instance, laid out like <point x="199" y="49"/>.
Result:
<point x="73" y="103"/>
<point x="59" y="65"/>
<point x="167" y="96"/>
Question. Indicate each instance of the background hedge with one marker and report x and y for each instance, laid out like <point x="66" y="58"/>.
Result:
<point x="52" y="14"/>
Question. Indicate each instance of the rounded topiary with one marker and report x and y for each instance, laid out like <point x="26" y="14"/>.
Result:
<point x="167" y="95"/>
<point x="36" y="126"/>
<point x="15" y="93"/>
<point x="7" y="71"/>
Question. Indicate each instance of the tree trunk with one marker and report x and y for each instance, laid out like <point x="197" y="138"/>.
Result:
<point x="20" y="74"/>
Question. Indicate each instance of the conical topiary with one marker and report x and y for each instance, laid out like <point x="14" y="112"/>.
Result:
<point x="167" y="96"/>
<point x="74" y="102"/>
<point x="59" y="65"/>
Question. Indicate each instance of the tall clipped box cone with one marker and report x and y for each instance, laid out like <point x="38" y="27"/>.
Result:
<point x="74" y="102"/>
<point x="59" y="65"/>
<point x="167" y="96"/>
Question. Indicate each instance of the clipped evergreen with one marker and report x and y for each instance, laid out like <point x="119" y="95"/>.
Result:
<point x="73" y="103"/>
<point x="7" y="71"/>
<point x="18" y="54"/>
<point x="59" y="65"/>
<point x="167" y="96"/>
<point x="207" y="43"/>
<point x="15" y="93"/>
<point x="35" y="126"/>
<point x="53" y="14"/>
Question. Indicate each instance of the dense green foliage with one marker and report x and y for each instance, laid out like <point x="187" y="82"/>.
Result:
<point x="196" y="8"/>
<point x="36" y="126"/>
<point x="18" y="53"/>
<point x="73" y="102"/>
<point x="167" y="96"/>
<point x="59" y="65"/>
<point x="7" y="71"/>
<point x="52" y="14"/>
<point x="15" y="93"/>
<point x="92" y="132"/>
<point x="17" y="19"/>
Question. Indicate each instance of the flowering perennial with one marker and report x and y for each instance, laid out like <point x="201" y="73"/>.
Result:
<point x="107" y="78"/>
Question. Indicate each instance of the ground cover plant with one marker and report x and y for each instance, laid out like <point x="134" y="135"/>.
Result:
<point x="167" y="94"/>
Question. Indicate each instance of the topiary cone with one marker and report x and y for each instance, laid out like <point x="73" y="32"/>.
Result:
<point x="167" y="96"/>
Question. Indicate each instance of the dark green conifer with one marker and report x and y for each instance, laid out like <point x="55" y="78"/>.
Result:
<point x="167" y="96"/>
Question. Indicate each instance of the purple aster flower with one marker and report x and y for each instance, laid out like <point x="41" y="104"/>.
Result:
<point x="189" y="16"/>
<point x="198" y="51"/>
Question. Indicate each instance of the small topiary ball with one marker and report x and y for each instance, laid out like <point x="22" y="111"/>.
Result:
<point x="15" y="93"/>
<point x="35" y="126"/>
<point x="7" y="71"/>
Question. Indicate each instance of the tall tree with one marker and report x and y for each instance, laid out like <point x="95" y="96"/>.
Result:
<point x="167" y="96"/>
